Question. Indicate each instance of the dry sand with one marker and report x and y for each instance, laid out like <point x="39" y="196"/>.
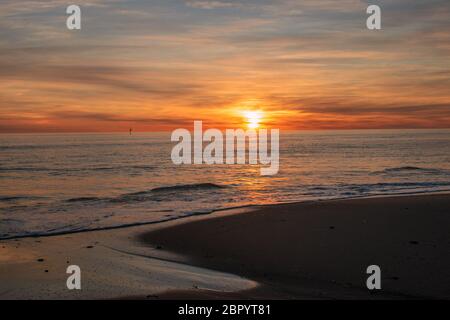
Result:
<point x="312" y="250"/>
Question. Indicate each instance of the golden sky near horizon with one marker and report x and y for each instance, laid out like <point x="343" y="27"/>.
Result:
<point x="161" y="64"/>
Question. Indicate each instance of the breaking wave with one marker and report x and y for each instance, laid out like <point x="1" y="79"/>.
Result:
<point x="412" y="170"/>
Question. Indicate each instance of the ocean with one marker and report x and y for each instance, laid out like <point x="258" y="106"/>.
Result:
<point x="58" y="183"/>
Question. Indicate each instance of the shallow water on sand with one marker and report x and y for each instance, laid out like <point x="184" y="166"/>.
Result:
<point x="53" y="183"/>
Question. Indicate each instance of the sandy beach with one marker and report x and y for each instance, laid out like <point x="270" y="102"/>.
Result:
<point x="309" y="250"/>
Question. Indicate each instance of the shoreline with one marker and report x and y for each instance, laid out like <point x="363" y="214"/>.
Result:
<point x="213" y="211"/>
<point x="282" y="251"/>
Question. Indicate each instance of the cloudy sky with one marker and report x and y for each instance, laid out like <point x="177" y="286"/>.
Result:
<point x="160" y="64"/>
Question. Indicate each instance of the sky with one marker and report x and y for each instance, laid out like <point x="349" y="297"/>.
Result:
<point x="157" y="65"/>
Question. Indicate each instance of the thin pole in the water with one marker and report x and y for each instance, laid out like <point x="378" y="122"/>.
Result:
<point x="130" y="131"/>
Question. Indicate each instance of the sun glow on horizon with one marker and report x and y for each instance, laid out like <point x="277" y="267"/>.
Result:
<point x="253" y="118"/>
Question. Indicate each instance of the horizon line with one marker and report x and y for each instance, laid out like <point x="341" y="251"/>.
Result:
<point x="166" y="131"/>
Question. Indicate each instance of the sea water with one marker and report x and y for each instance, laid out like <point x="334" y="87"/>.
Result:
<point x="56" y="183"/>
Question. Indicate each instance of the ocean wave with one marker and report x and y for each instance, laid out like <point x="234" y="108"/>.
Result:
<point x="155" y="194"/>
<point x="412" y="169"/>
<point x="17" y="198"/>
<point x="181" y="187"/>
<point x="368" y="189"/>
<point x="188" y="187"/>
<point x="166" y="193"/>
<point x="404" y="184"/>
<point x="388" y="188"/>
<point x="83" y="199"/>
<point x="7" y="199"/>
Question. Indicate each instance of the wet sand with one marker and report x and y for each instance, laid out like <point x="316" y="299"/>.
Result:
<point x="312" y="250"/>
<point x="322" y="249"/>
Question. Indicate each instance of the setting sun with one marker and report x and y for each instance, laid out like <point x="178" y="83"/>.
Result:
<point x="253" y="118"/>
